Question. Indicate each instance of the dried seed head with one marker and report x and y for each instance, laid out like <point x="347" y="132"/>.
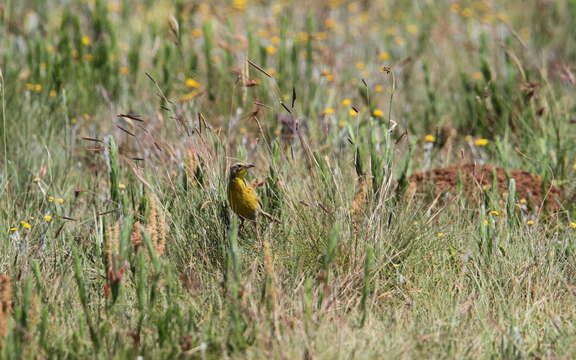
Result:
<point x="192" y="164"/>
<point x="136" y="236"/>
<point x="152" y="226"/>
<point x="161" y="234"/>
<point x="5" y="304"/>
<point x="359" y="201"/>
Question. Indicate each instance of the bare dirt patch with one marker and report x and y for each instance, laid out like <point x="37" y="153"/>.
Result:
<point x="473" y="179"/>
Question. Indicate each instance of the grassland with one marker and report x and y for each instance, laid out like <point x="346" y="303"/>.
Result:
<point x="120" y="119"/>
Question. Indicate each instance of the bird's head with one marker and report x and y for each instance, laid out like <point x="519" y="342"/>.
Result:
<point x="239" y="170"/>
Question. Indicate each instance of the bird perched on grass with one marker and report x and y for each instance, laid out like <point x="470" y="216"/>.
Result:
<point x="242" y="197"/>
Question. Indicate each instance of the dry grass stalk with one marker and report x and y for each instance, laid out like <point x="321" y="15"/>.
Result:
<point x="192" y="163"/>
<point x="152" y="226"/>
<point x="112" y="246"/>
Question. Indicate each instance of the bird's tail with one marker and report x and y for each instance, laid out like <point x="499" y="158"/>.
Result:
<point x="270" y="217"/>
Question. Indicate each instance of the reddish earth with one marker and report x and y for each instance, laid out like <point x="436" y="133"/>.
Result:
<point x="473" y="178"/>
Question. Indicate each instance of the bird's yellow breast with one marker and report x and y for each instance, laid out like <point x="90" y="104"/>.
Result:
<point x="243" y="199"/>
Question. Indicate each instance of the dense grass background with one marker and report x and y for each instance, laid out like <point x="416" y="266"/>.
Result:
<point x="116" y="239"/>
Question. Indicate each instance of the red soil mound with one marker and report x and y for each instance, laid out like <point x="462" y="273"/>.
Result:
<point x="472" y="179"/>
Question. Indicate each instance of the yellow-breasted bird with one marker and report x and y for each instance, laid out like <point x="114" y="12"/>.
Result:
<point x="242" y="197"/>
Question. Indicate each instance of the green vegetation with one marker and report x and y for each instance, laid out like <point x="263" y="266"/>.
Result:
<point x="120" y="119"/>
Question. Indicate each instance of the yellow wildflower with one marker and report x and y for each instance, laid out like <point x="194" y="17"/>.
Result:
<point x="360" y="65"/>
<point x="302" y="36"/>
<point x="47" y="218"/>
<point x="487" y="18"/>
<point x="495" y="213"/>
<point x="271" y="50"/>
<point x="329" y="23"/>
<point x="430" y="138"/>
<point x="347" y="102"/>
<point x="412" y="29"/>
<point x="466" y="12"/>
<point x="50" y="199"/>
<point x="192" y="83"/>
<point x="391" y="31"/>
<point x="342" y="124"/>
<point x="383" y="56"/>
<point x="327" y="75"/>
<point x="328" y="111"/>
<point x="86" y="40"/>
<point x="196" y="33"/>
<point x="503" y="17"/>
<point x="189" y="96"/>
<point x="353" y="112"/>
<point x="124" y="70"/>
<point x="530" y="222"/>
<point x="378" y="113"/>
<point x="378" y="88"/>
<point x="321" y="35"/>
<point x="239" y="5"/>
<point x="476" y="75"/>
<point x="573" y="225"/>
<point x="353" y="7"/>
<point x="275" y="40"/>
<point x="263" y="33"/>
<point x="481" y="142"/>
<point x="59" y="200"/>
<point x="13" y="228"/>
<point x="121" y="186"/>
<point x="25" y="225"/>
<point x="38" y="87"/>
<point x="399" y="40"/>
<point x="440" y="235"/>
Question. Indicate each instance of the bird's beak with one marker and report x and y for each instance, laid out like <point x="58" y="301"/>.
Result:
<point x="249" y="166"/>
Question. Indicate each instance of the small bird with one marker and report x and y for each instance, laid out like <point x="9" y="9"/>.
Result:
<point x="242" y="197"/>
